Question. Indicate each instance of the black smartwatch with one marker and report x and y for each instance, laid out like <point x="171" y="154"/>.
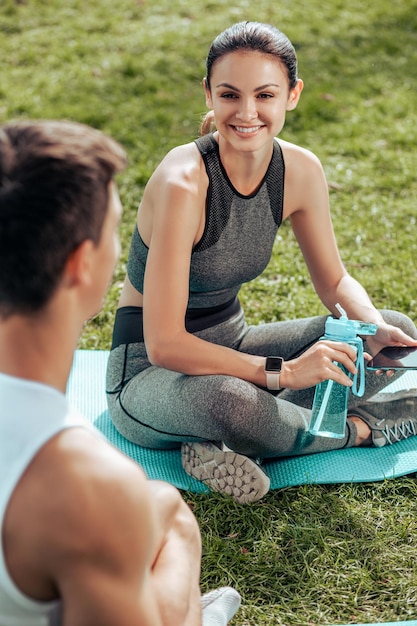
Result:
<point x="273" y="366"/>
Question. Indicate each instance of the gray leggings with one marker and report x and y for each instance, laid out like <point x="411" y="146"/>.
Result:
<point x="159" y="408"/>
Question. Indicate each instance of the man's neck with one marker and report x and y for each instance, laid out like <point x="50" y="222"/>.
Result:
<point x="37" y="349"/>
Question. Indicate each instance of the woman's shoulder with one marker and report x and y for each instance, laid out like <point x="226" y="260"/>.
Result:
<point x="182" y="164"/>
<point x="181" y="157"/>
<point x="296" y="153"/>
<point x="301" y="164"/>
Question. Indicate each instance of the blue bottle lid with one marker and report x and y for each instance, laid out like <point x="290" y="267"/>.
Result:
<point x="344" y="328"/>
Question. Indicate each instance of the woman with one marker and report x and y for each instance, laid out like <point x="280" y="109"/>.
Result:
<point x="184" y="365"/>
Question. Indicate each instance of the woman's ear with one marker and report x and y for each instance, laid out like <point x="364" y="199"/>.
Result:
<point x="209" y="103"/>
<point x="294" y="95"/>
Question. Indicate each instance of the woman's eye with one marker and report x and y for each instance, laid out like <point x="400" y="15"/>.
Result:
<point x="265" y="95"/>
<point x="228" y="95"/>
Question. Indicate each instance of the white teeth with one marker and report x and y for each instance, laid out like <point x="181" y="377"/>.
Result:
<point x="245" y="129"/>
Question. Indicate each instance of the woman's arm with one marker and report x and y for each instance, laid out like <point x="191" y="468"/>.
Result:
<point x="176" y="199"/>
<point x="307" y="206"/>
<point x="171" y="221"/>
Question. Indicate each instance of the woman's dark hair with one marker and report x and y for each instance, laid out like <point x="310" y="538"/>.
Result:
<point x="255" y="36"/>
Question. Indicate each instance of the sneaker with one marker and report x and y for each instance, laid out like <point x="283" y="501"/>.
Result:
<point x="233" y="474"/>
<point x="219" y="606"/>
<point x="388" y="430"/>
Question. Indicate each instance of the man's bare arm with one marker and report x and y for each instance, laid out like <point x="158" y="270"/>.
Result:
<point x="114" y="546"/>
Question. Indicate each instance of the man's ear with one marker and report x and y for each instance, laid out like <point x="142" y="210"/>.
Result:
<point x="78" y="268"/>
<point x="294" y="95"/>
<point x="209" y="103"/>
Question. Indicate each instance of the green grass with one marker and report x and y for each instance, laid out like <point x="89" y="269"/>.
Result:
<point x="313" y="554"/>
<point x="317" y="554"/>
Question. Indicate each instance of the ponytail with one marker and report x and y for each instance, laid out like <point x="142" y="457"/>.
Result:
<point x="208" y="124"/>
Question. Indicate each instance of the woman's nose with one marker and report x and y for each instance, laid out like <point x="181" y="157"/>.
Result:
<point x="247" y="110"/>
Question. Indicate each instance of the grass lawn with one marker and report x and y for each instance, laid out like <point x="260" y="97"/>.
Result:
<point x="313" y="554"/>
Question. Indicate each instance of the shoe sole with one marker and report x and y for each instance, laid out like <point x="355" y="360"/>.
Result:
<point x="226" y="472"/>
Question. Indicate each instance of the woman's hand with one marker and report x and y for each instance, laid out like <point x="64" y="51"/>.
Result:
<point x="318" y="363"/>
<point x="388" y="335"/>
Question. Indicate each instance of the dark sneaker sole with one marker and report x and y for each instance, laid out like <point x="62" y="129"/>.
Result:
<point x="227" y="472"/>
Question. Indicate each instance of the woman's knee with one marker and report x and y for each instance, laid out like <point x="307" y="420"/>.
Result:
<point x="234" y="407"/>
<point x="400" y="320"/>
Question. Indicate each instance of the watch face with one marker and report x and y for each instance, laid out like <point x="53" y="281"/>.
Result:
<point x="273" y="363"/>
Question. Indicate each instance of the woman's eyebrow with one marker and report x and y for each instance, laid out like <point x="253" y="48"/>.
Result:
<point x="262" y="87"/>
<point x="228" y="86"/>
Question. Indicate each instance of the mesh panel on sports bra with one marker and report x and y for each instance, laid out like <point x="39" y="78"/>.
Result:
<point x="220" y="195"/>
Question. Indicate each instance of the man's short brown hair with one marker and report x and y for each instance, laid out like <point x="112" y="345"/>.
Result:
<point x="54" y="194"/>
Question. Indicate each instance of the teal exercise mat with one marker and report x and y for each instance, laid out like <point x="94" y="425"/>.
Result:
<point x="86" y="390"/>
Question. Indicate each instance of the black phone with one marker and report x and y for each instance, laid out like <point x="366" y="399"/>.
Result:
<point x="394" y="358"/>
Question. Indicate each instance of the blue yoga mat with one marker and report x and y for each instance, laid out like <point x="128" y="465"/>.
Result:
<point x="86" y="389"/>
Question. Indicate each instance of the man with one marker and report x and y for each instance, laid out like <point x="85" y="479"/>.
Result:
<point x="87" y="539"/>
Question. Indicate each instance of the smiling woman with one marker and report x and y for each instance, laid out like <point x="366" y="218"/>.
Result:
<point x="250" y="111"/>
<point x="185" y="368"/>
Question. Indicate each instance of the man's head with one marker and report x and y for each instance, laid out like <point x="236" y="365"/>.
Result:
<point x="54" y="194"/>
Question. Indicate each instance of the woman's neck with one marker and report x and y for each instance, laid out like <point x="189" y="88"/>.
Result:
<point x="246" y="170"/>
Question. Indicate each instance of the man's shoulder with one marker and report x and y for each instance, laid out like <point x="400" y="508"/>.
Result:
<point x="69" y="507"/>
<point x="75" y="481"/>
<point x="87" y="467"/>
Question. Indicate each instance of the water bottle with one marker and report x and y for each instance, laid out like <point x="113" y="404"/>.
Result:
<point x="329" y="412"/>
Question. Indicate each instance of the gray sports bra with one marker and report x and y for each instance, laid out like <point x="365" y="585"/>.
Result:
<point x="239" y="234"/>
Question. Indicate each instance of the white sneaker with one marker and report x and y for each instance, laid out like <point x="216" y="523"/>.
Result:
<point x="219" y="606"/>
<point x="233" y="474"/>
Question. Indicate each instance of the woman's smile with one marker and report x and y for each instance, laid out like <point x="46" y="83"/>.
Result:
<point x="247" y="130"/>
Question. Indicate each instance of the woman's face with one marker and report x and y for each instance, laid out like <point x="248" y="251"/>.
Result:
<point x="249" y="96"/>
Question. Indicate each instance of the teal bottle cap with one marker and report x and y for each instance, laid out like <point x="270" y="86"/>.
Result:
<point x="345" y="328"/>
<point x="342" y="328"/>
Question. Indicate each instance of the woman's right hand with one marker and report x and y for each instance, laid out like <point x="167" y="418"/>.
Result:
<point x="319" y="363"/>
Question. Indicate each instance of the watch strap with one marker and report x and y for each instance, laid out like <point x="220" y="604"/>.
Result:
<point x="272" y="380"/>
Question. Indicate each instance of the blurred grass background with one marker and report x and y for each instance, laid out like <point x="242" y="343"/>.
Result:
<point x="313" y="554"/>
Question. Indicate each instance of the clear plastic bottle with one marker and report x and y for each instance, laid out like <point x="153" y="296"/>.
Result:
<point x="329" y="411"/>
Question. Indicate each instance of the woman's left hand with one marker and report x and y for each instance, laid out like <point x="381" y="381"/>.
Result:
<point x="388" y="335"/>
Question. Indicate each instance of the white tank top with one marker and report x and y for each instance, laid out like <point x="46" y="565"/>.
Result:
<point x="30" y="414"/>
